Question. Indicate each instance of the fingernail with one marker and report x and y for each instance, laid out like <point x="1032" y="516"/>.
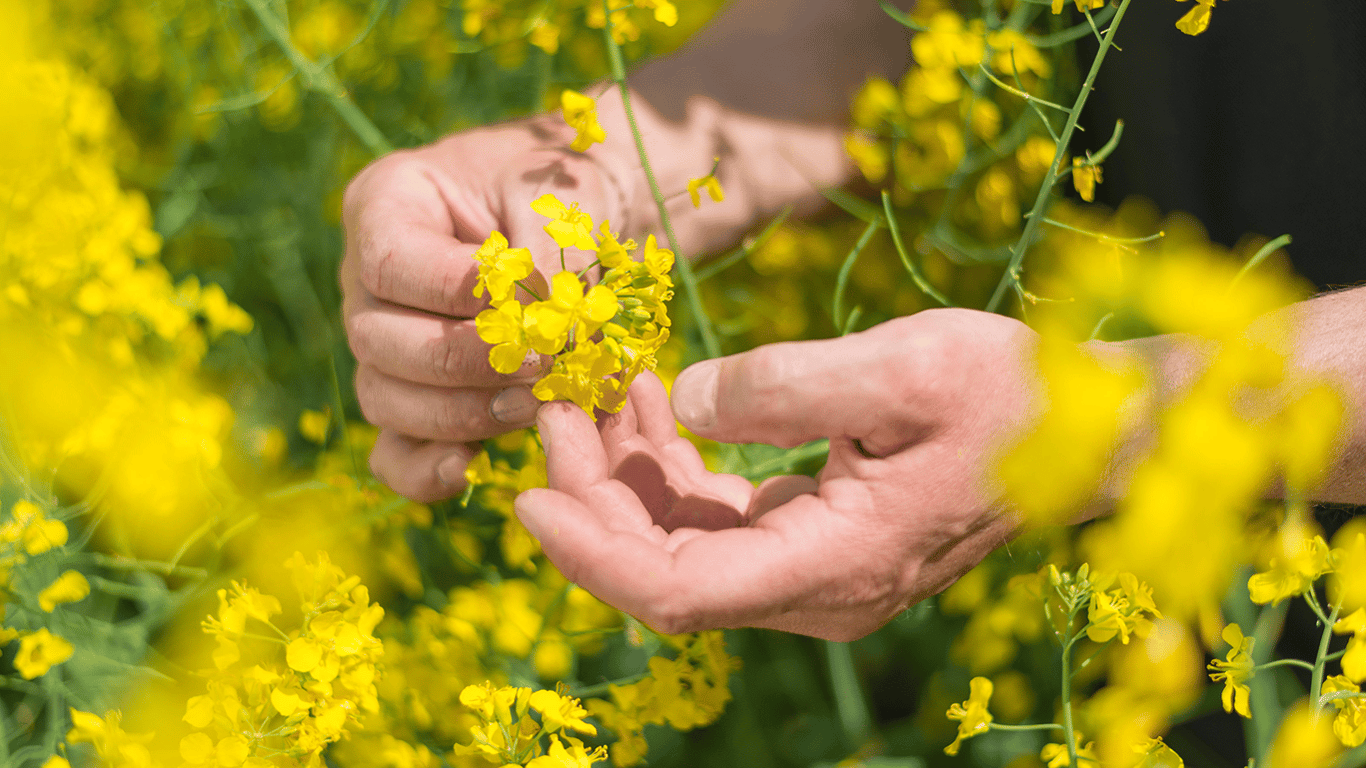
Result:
<point x="514" y="405"/>
<point x="451" y="471"/>
<point x="694" y="396"/>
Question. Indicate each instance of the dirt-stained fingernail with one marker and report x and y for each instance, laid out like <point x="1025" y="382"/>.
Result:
<point x="514" y="406"/>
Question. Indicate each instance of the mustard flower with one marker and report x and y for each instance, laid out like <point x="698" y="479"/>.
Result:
<point x="500" y="267"/>
<point x="578" y="376"/>
<point x="1235" y="670"/>
<point x="569" y="226"/>
<point x="1197" y="18"/>
<point x="1304" y="739"/>
<point x="665" y="12"/>
<point x="33" y="529"/>
<point x="68" y="588"/>
<point x="40" y="651"/>
<point x="1056" y="756"/>
<point x="710" y="184"/>
<point x="502" y="327"/>
<point x="1154" y="753"/>
<point x="582" y="115"/>
<point x="1085" y="177"/>
<point x="972" y="715"/>
<point x="1354" y="659"/>
<point x="1081" y="4"/>
<point x="575" y="756"/>
<point x="1293" y="574"/>
<point x="1349" y="725"/>
<point x="1120" y="612"/>
<point x="569" y="309"/>
<point x="559" y="712"/>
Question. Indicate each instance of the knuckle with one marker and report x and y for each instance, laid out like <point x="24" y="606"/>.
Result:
<point x="673" y="616"/>
<point x="456" y="419"/>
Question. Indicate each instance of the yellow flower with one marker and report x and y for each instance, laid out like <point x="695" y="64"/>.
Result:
<point x="31" y="527"/>
<point x="502" y="327"/>
<point x="68" y="588"/>
<point x="665" y="12"/>
<point x="570" y="227"/>
<point x="548" y="323"/>
<point x="559" y="712"/>
<point x="875" y="102"/>
<point x="1354" y="659"/>
<point x="1235" y="670"/>
<point x="313" y="425"/>
<point x="579" y="375"/>
<point x="708" y="183"/>
<point x="1057" y="757"/>
<point x="582" y="116"/>
<point x="1129" y="609"/>
<point x="500" y="267"/>
<point x="1156" y="754"/>
<point x="972" y="715"/>
<point x="39" y="652"/>
<point x="1304" y="740"/>
<point x="1294" y="573"/>
<point x="1085" y="177"/>
<point x="573" y="757"/>
<point x="871" y="157"/>
<point x="1350" y="723"/>
<point x="1196" y="19"/>
<point x="1081" y="4"/>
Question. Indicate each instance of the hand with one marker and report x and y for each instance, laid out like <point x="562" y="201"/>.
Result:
<point x="915" y="410"/>
<point x="413" y="221"/>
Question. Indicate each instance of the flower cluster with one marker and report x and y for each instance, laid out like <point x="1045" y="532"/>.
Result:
<point x="548" y="25"/>
<point x="923" y="132"/>
<point x="507" y="735"/>
<point x="685" y="692"/>
<point x="1194" y="22"/>
<point x="602" y="337"/>
<point x="304" y="689"/>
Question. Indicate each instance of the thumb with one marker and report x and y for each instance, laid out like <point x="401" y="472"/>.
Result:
<point x="795" y="392"/>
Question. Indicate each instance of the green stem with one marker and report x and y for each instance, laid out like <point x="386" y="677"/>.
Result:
<point x="1011" y="276"/>
<point x="1068" y="732"/>
<point x="918" y="278"/>
<point x="995" y="726"/>
<point x="1284" y="663"/>
<point x="849" y="701"/>
<point x="601" y="688"/>
<point x="842" y="281"/>
<point x="685" y="271"/>
<point x="1320" y="660"/>
<point x="320" y="79"/>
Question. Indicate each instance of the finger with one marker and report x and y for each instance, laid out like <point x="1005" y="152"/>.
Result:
<point x="791" y="393"/>
<point x="574" y="456"/>
<point x="733" y="577"/>
<point x="651" y="404"/>
<point x="424" y="348"/>
<point x="445" y="414"/>
<point x="420" y="470"/>
<point x="777" y="491"/>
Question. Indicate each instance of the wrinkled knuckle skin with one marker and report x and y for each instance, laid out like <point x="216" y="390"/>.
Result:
<point x="446" y="360"/>
<point x="358" y="337"/>
<point x="672" y="617"/>
<point x="456" y="421"/>
<point x="368" y="397"/>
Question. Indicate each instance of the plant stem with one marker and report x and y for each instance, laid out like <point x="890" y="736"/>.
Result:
<point x="849" y="702"/>
<point x="1320" y="660"/>
<point x="685" y="271"/>
<point x="1286" y="662"/>
<point x="1068" y="733"/>
<point x="1011" y="276"/>
<point x="319" y="78"/>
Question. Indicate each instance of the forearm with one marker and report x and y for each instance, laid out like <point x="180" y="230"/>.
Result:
<point x="1327" y="347"/>
<point x="765" y="88"/>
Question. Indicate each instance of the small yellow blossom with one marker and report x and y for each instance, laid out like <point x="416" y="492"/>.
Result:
<point x="580" y="375"/>
<point x="500" y="267"/>
<point x="569" y="226"/>
<point x="1235" y="670"/>
<point x="559" y="712"/>
<point x="1056" y="756"/>
<point x="1085" y="177"/>
<point x="1156" y="754"/>
<point x="1304" y="739"/>
<point x="582" y="115"/>
<point x="40" y="651"/>
<point x="665" y="12"/>
<point x="502" y="327"/>
<point x="569" y="310"/>
<point x="313" y="425"/>
<point x="33" y="529"/>
<point x="68" y="588"/>
<point x="972" y="715"/>
<point x="1294" y="573"/>
<point x="709" y="183"/>
<point x="1197" y="18"/>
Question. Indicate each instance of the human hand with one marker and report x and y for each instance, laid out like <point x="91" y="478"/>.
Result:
<point x="915" y="410"/>
<point x="413" y="220"/>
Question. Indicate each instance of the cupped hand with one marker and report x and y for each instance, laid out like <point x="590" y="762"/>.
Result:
<point x="915" y="409"/>
<point x="413" y="220"/>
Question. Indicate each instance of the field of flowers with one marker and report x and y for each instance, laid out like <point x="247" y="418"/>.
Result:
<point x="200" y="570"/>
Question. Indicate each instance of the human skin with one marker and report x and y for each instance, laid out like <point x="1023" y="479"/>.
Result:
<point x="905" y="503"/>
<point x="414" y="218"/>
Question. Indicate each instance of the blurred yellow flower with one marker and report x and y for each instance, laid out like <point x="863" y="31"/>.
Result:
<point x="68" y="588"/>
<point x="709" y="183"/>
<point x="582" y="115"/>
<point x="1085" y="177"/>
<point x="1056" y="756"/>
<point x="40" y="651"/>
<point x="1304" y="739"/>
